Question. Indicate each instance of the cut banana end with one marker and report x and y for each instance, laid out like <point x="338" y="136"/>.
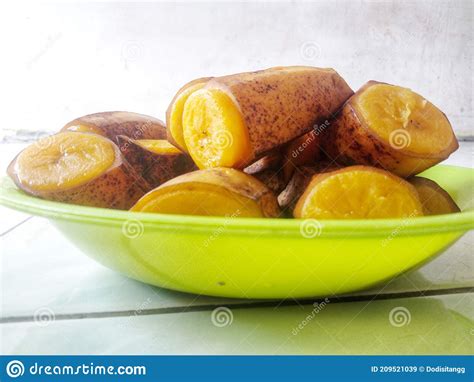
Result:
<point x="214" y="130"/>
<point x="211" y="192"/>
<point x="78" y="168"/>
<point x="435" y="200"/>
<point x="358" y="192"/>
<point x="174" y="114"/>
<point x="389" y="127"/>
<point x="207" y="200"/>
<point x="422" y="128"/>
<point x="158" y="146"/>
<point x="63" y="161"/>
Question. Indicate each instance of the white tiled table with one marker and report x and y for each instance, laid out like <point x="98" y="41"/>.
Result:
<point x="56" y="300"/>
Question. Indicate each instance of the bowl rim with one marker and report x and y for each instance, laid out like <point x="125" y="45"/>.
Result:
<point x="12" y="197"/>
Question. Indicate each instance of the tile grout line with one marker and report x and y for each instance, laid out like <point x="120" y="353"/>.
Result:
<point x="245" y="305"/>
<point x="15" y="226"/>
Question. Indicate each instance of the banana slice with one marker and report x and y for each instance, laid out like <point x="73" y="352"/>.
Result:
<point x="214" y="131"/>
<point x="392" y="128"/>
<point x="174" y="114"/>
<point x="358" y="192"/>
<point x="211" y="192"/>
<point x="78" y="168"/>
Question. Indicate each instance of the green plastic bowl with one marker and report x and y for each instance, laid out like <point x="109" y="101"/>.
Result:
<point x="257" y="258"/>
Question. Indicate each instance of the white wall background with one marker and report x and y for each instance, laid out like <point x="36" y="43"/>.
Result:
<point x="60" y="61"/>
